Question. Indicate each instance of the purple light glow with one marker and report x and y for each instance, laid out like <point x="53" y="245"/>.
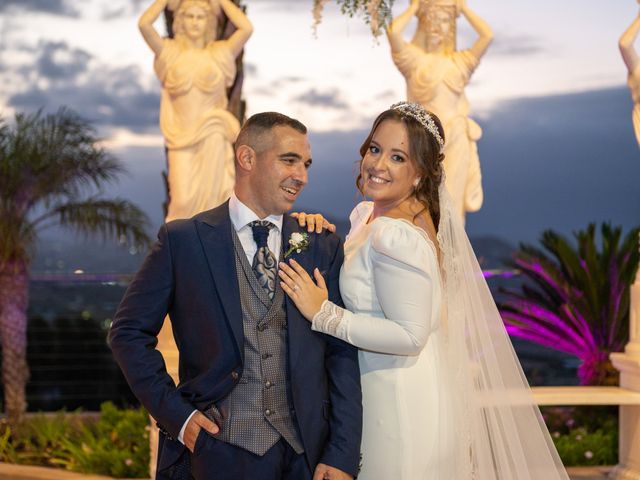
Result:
<point x="581" y="324"/>
<point x="533" y="331"/>
<point x="542" y="339"/>
<point x="500" y="273"/>
<point x="577" y="300"/>
<point x="540" y="271"/>
<point x="538" y="316"/>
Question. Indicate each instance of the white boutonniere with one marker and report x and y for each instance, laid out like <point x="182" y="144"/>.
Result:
<point x="297" y="243"/>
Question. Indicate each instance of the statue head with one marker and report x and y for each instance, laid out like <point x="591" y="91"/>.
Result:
<point x="436" y="31"/>
<point x="188" y="10"/>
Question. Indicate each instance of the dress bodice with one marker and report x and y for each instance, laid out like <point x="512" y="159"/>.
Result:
<point x="390" y="280"/>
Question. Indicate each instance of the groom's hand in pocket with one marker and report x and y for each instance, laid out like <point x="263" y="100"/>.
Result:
<point x="327" y="472"/>
<point x="196" y="423"/>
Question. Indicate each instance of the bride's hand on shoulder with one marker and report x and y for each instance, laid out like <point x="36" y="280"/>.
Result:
<point x="307" y="295"/>
<point x="314" y="222"/>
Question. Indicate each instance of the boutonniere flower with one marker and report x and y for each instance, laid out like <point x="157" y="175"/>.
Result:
<point x="297" y="243"/>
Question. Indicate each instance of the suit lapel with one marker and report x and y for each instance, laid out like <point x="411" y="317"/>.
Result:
<point x="214" y="228"/>
<point x="295" y="321"/>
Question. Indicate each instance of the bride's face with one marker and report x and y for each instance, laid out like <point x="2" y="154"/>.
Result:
<point x="388" y="172"/>
<point x="194" y="19"/>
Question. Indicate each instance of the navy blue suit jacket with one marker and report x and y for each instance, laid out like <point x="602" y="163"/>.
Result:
<point x="191" y="275"/>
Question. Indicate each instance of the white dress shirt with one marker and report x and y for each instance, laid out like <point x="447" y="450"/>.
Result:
<point x="241" y="217"/>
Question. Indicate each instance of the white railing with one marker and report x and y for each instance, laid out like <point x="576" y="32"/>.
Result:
<point x="577" y="396"/>
<point x="626" y="396"/>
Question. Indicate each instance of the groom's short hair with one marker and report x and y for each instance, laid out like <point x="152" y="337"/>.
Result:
<point x="254" y="131"/>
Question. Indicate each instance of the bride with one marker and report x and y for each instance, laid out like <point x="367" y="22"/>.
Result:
<point x="444" y="396"/>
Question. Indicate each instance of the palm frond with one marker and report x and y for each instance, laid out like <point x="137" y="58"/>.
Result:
<point x="575" y="298"/>
<point x="116" y="219"/>
<point x="52" y="164"/>
<point x="44" y="156"/>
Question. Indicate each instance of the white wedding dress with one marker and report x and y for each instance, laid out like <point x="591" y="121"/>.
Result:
<point x="443" y="393"/>
<point x="391" y="287"/>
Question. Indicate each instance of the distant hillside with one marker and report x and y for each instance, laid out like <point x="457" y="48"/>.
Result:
<point x="64" y="253"/>
<point x="492" y="252"/>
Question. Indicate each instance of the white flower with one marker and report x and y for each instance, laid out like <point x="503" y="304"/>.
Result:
<point x="298" y="242"/>
<point x="296" y="238"/>
<point x="588" y="454"/>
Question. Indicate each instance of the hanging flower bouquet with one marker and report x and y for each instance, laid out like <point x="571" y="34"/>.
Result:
<point x="376" y="13"/>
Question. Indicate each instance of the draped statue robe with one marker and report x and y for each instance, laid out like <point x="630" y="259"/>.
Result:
<point x="437" y="82"/>
<point x="198" y="129"/>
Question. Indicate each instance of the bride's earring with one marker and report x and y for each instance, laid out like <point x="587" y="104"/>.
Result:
<point x="416" y="182"/>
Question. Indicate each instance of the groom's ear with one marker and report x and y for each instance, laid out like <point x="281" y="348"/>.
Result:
<point x="245" y="158"/>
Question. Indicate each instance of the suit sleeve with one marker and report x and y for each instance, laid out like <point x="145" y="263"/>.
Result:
<point x="133" y="338"/>
<point x="342" y="450"/>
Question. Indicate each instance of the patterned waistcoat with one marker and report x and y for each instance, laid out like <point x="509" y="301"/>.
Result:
<point x="257" y="412"/>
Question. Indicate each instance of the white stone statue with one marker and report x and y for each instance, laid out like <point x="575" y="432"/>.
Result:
<point x="195" y="70"/>
<point x="632" y="61"/>
<point x="436" y="75"/>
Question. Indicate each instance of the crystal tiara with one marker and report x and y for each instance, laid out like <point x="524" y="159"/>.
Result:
<point x="417" y="111"/>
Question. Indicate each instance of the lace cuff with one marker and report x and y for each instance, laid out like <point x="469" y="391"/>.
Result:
<point x="330" y="320"/>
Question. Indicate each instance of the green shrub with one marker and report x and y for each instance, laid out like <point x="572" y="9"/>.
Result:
<point x="584" y="436"/>
<point x="7" y="450"/>
<point x="115" y="444"/>
<point x="581" y="447"/>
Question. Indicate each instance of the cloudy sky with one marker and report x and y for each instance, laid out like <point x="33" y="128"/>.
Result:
<point x="558" y="149"/>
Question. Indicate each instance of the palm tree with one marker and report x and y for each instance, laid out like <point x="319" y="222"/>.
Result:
<point x="576" y="300"/>
<point x="49" y="167"/>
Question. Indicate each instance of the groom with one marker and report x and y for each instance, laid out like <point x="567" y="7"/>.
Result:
<point x="261" y="396"/>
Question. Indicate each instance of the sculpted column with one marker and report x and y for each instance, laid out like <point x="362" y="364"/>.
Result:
<point x="628" y="363"/>
<point x="632" y="61"/>
<point x="436" y="74"/>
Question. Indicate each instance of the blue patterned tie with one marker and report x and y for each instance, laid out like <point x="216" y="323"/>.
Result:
<point x="264" y="261"/>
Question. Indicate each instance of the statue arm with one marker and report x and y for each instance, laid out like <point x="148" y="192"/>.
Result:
<point x="145" y="24"/>
<point x="244" y="28"/>
<point x="482" y="28"/>
<point x="629" y="54"/>
<point x="399" y="24"/>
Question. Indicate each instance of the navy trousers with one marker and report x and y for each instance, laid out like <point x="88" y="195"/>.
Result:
<point x="213" y="459"/>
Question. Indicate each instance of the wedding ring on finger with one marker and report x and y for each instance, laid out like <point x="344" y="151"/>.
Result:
<point x="295" y="287"/>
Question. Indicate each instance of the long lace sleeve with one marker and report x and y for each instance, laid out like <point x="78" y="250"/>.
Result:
<point x="329" y="320"/>
<point x="407" y="287"/>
